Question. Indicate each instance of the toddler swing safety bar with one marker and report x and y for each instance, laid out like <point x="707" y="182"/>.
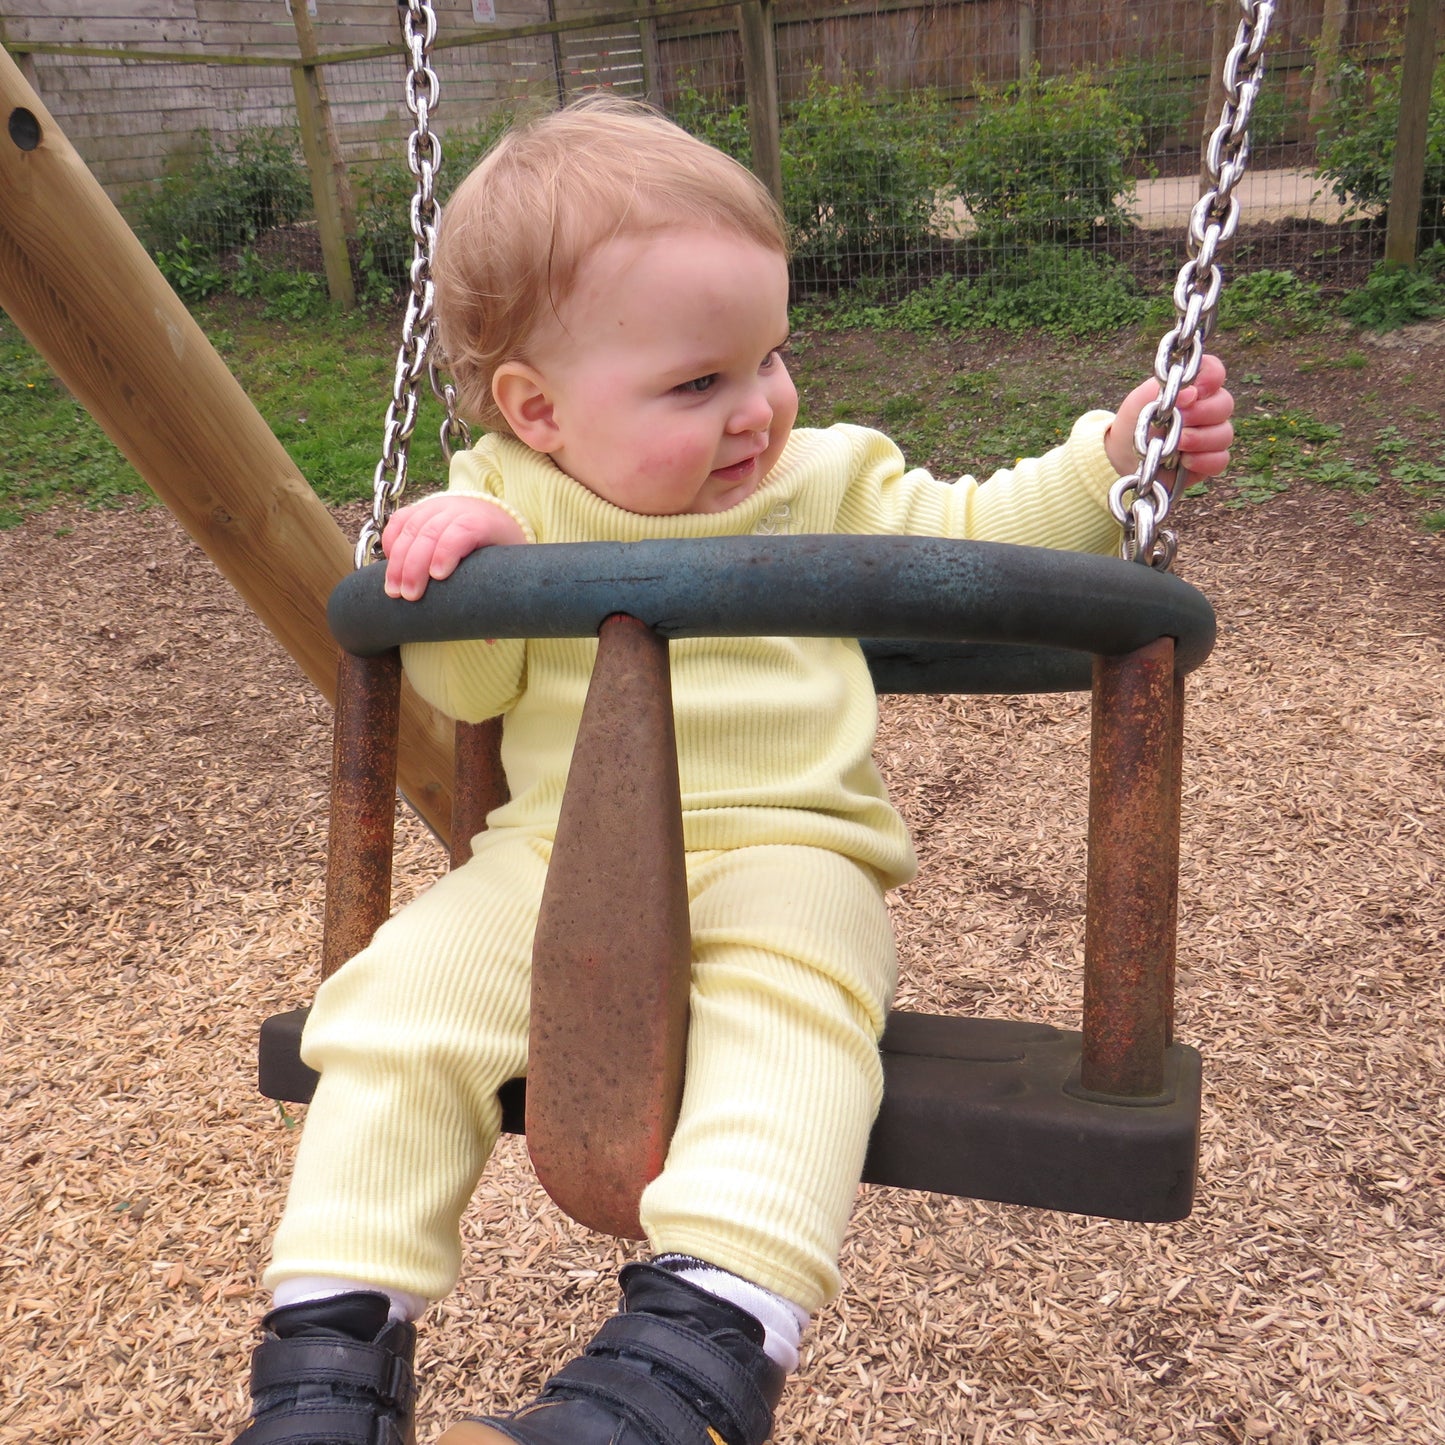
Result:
<point x="1103" y="1121"/>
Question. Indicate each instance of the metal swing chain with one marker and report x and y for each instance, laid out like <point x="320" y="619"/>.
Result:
<point x="418" y="329"/>
<point x="1141" y="502"/>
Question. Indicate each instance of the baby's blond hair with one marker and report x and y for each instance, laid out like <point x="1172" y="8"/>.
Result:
<point x="553" y="189"/>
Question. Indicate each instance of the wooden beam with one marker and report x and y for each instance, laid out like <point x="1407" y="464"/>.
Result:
<point x="82" y="289"/>
<point x="760" y="75"/>
<point x="1327" y="58"/>
<point x="1407" y="184"/>
<point x="330" y="184"/>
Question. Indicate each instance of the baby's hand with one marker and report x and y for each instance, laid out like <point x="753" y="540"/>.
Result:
<point x="425" y="541"/>
<point x="1205" y="409"/>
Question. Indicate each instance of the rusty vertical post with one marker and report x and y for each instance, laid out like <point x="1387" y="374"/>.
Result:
<point x="1133" y="840"/>
<point x="1175" y="804"/>
<point x="479" y="785"/>
<point x="612" y="960"/>
<point x="363" y="804"/>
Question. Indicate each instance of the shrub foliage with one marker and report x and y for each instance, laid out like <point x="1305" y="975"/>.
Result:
<point x="1047" y="159"/>
<point x="1357" y="142"/>
<point x="223" y="199"/>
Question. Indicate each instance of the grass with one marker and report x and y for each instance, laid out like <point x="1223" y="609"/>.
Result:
<point x="323" y="385"/>
<point x="52" y="450"/>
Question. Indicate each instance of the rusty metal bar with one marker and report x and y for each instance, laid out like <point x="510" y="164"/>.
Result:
<point x="479" y="784"/>
<point x="1133" y="850"/>
<point x="363" y="804"/>
<point x="613" y="951"/>
<point x="1176" y="807"/>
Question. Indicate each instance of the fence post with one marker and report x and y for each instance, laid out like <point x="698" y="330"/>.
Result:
<point x="559" y="66"/>
<point x="760" y="76"/>
<point x="1225" y="25"/>
<point x="1028" y="40"/>
<point x="23" y="58"/>
<point x="1327" y="59"/>
<point x="1407" y="184"/>
<point x="651" y="60"/>
<point x="330" y="187"/>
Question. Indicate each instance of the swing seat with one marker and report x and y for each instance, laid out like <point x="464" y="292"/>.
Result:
<point x="1104" y="1121"/>
<point x="979" y="1108"/>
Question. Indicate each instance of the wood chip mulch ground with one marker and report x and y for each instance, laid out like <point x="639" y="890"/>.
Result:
<point x="163" y="776"/>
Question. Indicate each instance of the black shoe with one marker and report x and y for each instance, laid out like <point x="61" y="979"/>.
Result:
<point x="677" y="1367"/>
<point x="333" y="1372"/>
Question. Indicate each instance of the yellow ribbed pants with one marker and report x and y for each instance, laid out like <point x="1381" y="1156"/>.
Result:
<point x="793" y="972"/>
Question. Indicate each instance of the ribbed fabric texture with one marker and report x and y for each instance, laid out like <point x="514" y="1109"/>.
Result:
<point x="793" y="955"/>
<point x="412" y="1042"/>
<point x="793" y="971"/>
<point x="775" y="735"/>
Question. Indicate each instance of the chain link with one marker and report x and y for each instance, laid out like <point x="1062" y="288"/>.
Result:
<point x="418" y="328"/>
<point x="1140" y="502"/>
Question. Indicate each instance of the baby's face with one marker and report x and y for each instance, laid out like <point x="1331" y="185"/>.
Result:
<point x="669" y="393"/>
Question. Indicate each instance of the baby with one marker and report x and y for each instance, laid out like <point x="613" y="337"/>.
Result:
<point x="613" y="297"/>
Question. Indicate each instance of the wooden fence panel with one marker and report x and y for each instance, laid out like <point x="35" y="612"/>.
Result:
<point x="129" y="119"/>
<point x="169" y="24"/>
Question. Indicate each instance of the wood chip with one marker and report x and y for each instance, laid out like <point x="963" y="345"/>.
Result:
<point x="164" y="773"/>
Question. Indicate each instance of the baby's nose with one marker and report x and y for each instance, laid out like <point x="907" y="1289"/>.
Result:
<point x="755" y="413"/>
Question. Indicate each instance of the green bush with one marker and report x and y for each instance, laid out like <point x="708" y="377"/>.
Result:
<point x="1278" y="300"/>
<point x="863" y="179"/>
<point x="384" y="196"/>
<point x="1046" y="159"/>
<point x="1058" y="289"/>
<point x="1357" y="142"/>
<point x="191" y="270"/>
<point x="724" y="126"/>
<point x="1394" y="295"/>
<point x="224" y="199"/>
<point x="1154" y="91"/>
<point x="285" y="295"/>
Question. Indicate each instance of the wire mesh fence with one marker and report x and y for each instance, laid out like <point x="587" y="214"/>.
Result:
<point x="917" y="140"/>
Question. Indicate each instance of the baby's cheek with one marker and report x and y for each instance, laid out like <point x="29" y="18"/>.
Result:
<point x="677" y="460"/>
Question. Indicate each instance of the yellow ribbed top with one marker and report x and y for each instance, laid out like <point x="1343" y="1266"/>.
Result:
<point x="774" y="734"/>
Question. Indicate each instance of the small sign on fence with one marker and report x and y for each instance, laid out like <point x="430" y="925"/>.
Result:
<point x="484" y="12"/>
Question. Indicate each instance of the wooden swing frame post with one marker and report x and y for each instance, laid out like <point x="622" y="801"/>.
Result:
<point x="84" y="292"/>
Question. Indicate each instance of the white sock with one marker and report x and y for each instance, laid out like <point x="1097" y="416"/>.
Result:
<point x="307" y="1288"/>
<point x="783" y="1321"/>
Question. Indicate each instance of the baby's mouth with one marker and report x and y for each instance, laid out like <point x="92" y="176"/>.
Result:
<point x="738" y="471"/>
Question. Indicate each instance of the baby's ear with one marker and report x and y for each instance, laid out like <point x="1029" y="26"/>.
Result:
<point x="521" y="394"/>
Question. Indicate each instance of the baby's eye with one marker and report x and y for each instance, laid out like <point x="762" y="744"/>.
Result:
<point x="699" y="384"/>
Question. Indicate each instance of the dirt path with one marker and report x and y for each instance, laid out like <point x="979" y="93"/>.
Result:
<point x="163" y="770"/>
<point x="1164" y="203"/>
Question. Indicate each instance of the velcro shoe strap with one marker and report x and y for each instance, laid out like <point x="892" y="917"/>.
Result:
<point x="710" y="1371"/>
<point x="321" y="1426"/>
<point x="345" y="1364"/>
<point x="659" y="1412"/>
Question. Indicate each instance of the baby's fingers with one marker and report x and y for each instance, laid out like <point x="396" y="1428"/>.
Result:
<point x="1202" y="409"/>
<point x="397" y="541"/>
<point x="410" y="541"/>
<point x="1204" y="451"/>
